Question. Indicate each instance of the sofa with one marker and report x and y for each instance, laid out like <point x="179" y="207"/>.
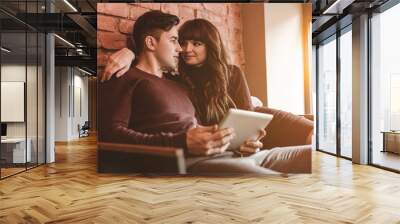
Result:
<point x="285" y="130"/>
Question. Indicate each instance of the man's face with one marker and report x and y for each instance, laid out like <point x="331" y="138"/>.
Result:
<point x="168" y="49"/>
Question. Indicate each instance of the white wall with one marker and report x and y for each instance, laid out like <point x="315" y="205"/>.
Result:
<point x="13" y="101"/>
<point x="79" y="117"/>
<point x="71" y="92"/>
<point x="33" y="127"/>
<point x="15" y="72"/>
<point x="285" y="57"/>
<point x="61" y="103"/>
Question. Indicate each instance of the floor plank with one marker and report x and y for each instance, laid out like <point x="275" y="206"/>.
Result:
<point x="71" y="191"/>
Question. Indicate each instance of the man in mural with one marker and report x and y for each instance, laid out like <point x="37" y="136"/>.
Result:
<point x="147" y="106"/>
<point x="154" y="108"/>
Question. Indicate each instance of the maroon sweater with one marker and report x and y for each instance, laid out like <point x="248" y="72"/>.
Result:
<point x="141" y="108"/>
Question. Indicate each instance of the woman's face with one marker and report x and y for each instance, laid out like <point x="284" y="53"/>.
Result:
<point x="194" y="52"/>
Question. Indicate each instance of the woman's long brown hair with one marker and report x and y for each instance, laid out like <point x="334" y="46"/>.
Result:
<point x="211" y="97"/>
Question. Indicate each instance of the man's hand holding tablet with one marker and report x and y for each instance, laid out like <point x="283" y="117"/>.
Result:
<point x="208" y="140"/>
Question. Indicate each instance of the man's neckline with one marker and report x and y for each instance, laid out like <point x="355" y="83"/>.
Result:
<point x="149" y="74"/>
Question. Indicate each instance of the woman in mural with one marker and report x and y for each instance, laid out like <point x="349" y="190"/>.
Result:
<point x="216" y="86"/>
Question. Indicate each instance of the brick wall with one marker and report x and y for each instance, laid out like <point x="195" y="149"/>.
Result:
<point x="115" y="22"/>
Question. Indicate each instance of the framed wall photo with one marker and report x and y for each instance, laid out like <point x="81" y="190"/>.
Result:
<point x="12" y="101"/>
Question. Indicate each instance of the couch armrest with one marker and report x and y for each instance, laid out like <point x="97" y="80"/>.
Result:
<point x="286" y="129"/>
<point x="308" y="116"/>
<point x="176" y="154"/>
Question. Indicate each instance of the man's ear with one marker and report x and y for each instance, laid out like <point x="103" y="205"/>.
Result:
<point x="150" y="42"/>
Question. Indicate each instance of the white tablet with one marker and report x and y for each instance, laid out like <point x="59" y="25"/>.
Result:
<point x="247" y="125"/>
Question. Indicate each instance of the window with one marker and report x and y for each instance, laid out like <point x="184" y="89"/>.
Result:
<point x="346" y="93"/>
<point x="385" y="88"/>
<point x="22" y="75"/>
<point x="335" y="94"/>
<point x="327" y="96"/>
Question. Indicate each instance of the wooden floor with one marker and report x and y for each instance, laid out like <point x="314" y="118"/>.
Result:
<point x="5" y="172"/>
<point x="386" y="159"/>
<point x="70" y="191"/>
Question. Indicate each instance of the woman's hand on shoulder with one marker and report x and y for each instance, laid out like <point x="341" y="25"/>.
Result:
<point x="118" y="64"/>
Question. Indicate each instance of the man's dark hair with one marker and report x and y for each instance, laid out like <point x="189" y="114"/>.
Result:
<point x="151" y="24"/>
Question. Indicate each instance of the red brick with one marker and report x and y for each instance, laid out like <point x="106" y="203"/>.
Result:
<point x="229" y="26"/>
<point x="235" y="36"/>
<point x="126" y="26"/>
<point x="136" y="11"/>
<point x="219" y="22"/>
<point x="201" y="14"/>
<point x="152" y="6"/>
<point x="100" y="7"/>
<point x="185" y="13"/>
<point x="98" y="41"/>
<point x="192" y="5"/>
<point x="222" y="27"/>
<point x="234" y="9"/>
<point x="217" y="8"/>
<point x="234" y="22"/>
<point x="107" y="23"/>
<point x="237" y="45"/>
<point x="102" y="57"/>
<point x="115" y="9"/>
<point x="112" y="41"/>
<point x="224" y="36"/>
<point x="181" y="22"/>
<point x="171" y="8"/>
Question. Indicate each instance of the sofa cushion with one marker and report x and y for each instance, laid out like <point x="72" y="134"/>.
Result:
<point x="286" y="129"/>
